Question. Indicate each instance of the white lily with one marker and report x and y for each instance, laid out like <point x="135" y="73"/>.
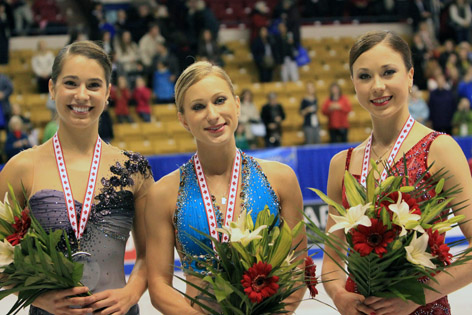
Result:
<point x="416" y="251"/>
<point x="6" y="253"/>
<point x="403" y="216"/>
<point x="5" y="210"/>
<point x="245" y="237"/>
<point x="354" y="216"/>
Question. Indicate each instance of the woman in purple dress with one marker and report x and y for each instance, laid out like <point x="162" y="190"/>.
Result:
<point x="74" y="176"/>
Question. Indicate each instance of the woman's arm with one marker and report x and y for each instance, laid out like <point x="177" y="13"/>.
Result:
<point x="334" y="279"/>
<point x="285" y="183"/>
<point x="160" y="242"/>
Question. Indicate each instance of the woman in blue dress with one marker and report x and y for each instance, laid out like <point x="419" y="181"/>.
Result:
<point x="76" y="175"/>
<point x="208" y="108"/>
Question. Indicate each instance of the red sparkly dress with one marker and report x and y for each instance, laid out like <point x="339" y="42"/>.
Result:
<point x="416" y="162"/>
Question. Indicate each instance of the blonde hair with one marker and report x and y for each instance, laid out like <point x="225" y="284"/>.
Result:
<point x="193" y="74"/>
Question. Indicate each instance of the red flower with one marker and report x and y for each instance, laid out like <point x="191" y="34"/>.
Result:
<point x="21" y="227"/>
<point x="257" y="284"/>
<point x="310" y="276"/>
<point x="438" y="247"/>
<point x="372" y="238"/>
<point x="412" y="203"/>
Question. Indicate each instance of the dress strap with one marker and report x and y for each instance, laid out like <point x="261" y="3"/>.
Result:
<point x="348" y="158"/>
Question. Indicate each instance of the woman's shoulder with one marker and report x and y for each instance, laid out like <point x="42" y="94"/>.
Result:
<point x="275" y="170"/>
<point x="166" y="188"/>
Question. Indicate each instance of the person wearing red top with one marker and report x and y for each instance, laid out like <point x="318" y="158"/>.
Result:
<point x="337" y="108"/>
<point x="142" y="95"/>
<point x="121" y="95"/>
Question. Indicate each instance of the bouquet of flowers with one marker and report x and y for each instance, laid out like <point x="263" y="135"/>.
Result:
<point x="256" y="270"/>
<point x="30" y="263"/>
<point x="394" y="237"/>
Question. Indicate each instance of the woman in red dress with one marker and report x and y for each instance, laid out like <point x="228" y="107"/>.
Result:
<point x="382" y="74"/>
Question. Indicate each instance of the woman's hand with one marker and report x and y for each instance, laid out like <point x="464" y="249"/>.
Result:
<point x="349" y="303"/>
<point x="115" y="301"/>
<point x="60" y="302"/>
<point x="390" y="306"/>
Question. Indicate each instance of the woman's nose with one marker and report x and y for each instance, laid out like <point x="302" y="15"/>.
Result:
<point x="379" y="84"/>
<point x="82" y="93"/>
<point x="212" y="112"/>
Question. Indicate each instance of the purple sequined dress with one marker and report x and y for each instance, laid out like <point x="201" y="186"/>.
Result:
<point x="416" y="163"/>
<point x="109" y="225"/>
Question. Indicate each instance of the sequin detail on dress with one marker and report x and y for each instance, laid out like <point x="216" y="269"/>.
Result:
<point x="256" y="192"/>
<point x="416" y="162"/>
<point x="110" y="222"/>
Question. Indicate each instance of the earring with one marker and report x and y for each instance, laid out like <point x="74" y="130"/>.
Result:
<point x="410" y="90"/>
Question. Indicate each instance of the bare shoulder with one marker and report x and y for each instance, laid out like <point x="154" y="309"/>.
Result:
<point x="444" y="151"/>
<point x="163" y="193"/>
<point x="275" y="170"/>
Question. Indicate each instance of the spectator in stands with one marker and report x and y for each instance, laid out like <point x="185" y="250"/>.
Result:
<point x="250" y="118"/>
<point x="263" y="51"/>
<point x="287" y="12"/>
<point x="442" y="105"/>
<point x="6" y="89"/>
<point x="142" y="95"/>
<point x="41" y="63"/>
<point x="462" y="118"/>
<point x="167" y="57"/>
<point x="200" y="18"/>
<point x="6" y="28"/>
<point x="127" y="53"/>
<point x="337" y="108"/>
<point x="420" y="11"/>
<point x="148" y="45"/>
<point x="209" y="50"/>
<point x="121" y="23"/>
<point x="272" y="115"/>
<point x="417" y="106"/>
<point x="23" y="16"/>
<point x="286" y="54"/>
<point x="259" y="18"/>
<point x="309" y="112"/>
<point x="121" y="95"/>
<point x="460" y="18"/>
<point x="17" y="139"/>
<point x="465" y="58"/>
<point x="166" y="24"/>
<point x="27" y="126"/>
<point x="420" y="55"/>
<point x="242" y="142"/>
<point x="358" y="8"/>
<point x="464" y="88"/>
<point x="163" y="84"/>
<point x="108" y="43"/>
<point x="140" y="19"/>
<point x="449" y="49"/>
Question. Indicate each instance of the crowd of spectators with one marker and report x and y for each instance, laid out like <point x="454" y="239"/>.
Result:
<point x="151" y="42"/>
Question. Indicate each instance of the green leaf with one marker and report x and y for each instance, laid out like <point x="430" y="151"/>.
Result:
<point x="329" y="201"/>
<point x="353" y="189"/>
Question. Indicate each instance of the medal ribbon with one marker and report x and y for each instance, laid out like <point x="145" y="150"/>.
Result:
<point x="79" y="226"/>
<point x="207" y="202"/>
<point x="393" y="154"/>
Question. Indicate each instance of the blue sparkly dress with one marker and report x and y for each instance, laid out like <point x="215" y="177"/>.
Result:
<point x="110" y="222"/>
<point x="255" y="193"/>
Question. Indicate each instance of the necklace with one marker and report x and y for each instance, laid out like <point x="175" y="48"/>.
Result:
<point x="77" y="225"/>
<point x="379" y="157"/>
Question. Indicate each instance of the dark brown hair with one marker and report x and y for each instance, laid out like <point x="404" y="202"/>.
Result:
<point x="368" y="40"/>
<point x="84" y="48"/>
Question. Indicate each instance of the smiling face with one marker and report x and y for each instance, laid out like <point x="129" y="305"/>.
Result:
<point x="80" y="91"/>
<point x="210" y="110"/>
<point x="381" y="80"/>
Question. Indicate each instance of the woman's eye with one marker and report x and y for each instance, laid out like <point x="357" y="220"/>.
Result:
<point x="220" y="100"/>
<point x="364" y="76"/>
<point x="389" y="72"/>
<point x="198" y="106"/>
<point x="94" y="85"/>
<point x="69" y="83"/>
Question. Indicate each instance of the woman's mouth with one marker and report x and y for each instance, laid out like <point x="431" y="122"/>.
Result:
<point x="80" y="109"/>
<point x="216" y="128"/>
<point x="381" y="101"/>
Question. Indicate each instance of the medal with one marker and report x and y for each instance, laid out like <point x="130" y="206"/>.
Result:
<point x="91" y="271"/>
<point x="207" y="202"/>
